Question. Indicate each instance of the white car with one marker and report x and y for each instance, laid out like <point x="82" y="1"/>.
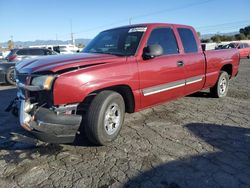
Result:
<point x="66" y="49"/>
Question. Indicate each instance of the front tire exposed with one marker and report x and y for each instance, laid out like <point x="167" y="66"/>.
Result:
<point x="221" y="87"/>
<point x="10" y="78"/>
<point x="105" y="117"/>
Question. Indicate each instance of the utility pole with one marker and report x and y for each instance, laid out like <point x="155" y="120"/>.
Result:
<point x="130" y="20"/>
<point x="56" y="42"/>
<point x="11" y="42"/>
<point x="71" y="33"/>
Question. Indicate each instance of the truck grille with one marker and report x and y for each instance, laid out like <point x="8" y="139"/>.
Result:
<point x="42" y="98"/>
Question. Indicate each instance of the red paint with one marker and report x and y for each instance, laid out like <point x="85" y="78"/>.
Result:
<point x="138" y="74"/>
<point x="245" y="51"/>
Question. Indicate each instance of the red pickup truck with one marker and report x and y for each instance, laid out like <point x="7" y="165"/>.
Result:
<point x="126" y="69"/>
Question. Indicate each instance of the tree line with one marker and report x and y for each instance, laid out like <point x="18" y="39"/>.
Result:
<point x="244" y="34"/>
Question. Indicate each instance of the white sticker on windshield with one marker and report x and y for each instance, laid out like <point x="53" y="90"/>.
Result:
<point x="137" y="29"/>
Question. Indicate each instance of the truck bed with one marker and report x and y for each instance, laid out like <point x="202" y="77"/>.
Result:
<point x="216" y="59"/>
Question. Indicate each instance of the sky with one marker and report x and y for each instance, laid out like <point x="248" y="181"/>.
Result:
<point x="29" y="20"/>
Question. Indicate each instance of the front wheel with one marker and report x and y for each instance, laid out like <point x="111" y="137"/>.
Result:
<point x="221" y="87"/>
<point x="105" y="117"/>
<point x="10" y="76"/>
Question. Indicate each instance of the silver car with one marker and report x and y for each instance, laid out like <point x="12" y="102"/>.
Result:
<point x="18" y="54"/>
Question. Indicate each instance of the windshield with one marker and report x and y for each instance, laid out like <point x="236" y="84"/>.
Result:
<point x="121" y="41"/>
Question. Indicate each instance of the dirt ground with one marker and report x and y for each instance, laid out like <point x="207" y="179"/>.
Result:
<point x="196" y="141"/>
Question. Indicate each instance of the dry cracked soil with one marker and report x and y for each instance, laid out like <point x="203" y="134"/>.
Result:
<point x="196" y="141"/>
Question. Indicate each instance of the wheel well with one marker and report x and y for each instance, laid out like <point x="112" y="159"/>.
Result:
<point x="228" y="68"/>
<point x="124" y="90"/>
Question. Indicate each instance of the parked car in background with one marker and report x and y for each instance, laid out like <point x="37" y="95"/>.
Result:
<point x="18" y="54"/>
<point x="5" y="53"/>
<point x="66" y="49"/>
<point x="61" y="49"/>
<point x="126" y="69"/>
<point x="244" y="48"/>
<point x="7" y="73"/>
<point x="1" y="55"/>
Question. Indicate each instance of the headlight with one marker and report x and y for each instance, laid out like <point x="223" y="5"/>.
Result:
<point x="44" y="82"/>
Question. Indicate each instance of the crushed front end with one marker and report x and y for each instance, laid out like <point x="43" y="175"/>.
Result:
<point x="37" y="114"/>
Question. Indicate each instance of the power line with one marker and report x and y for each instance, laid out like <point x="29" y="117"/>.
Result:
<point x="171" y="9"/>
<point x="236" y="25"/>
<point x="144" y="15"/>
<point x="102" y="26"/>
<point x="217" y="25"/>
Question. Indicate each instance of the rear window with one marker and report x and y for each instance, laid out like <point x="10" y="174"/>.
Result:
<point x="37" y="52"/>
<point x="246" y="45"/>
<point x="188" y="40"/>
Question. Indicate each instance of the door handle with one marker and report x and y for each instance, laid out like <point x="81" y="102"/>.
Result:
<point x="180" y="63"/>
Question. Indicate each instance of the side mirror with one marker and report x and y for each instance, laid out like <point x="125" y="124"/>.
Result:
<point x="152" y="51"/>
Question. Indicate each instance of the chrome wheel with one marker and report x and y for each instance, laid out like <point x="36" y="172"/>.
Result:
<point x="12" y="76"/>
<point x="223" y="85"/>
<point x="112" y="119"/>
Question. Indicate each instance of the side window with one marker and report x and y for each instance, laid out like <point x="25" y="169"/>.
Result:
<point x="22" y="52"/>
<point x="166" y="38"/>
<point x="36" y="52"/>
<point x="241" y="46"/>
<point x="188" y="40"/>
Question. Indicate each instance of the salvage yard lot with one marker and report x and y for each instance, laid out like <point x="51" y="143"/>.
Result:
<point x="196" y="141"/>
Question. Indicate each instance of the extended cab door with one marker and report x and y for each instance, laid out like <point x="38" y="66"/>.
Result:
<point x="161" y="78"/>
<point x="193" y="59"/>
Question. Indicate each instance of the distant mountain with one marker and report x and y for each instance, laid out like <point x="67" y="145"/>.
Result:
<point x="208" y="36"/>
<point x="84" y="41"/>
<point x="46" y="42"/>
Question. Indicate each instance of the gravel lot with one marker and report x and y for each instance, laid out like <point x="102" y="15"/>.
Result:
<point x="196" y="141"/>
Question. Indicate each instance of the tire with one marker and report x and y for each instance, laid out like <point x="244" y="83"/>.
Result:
<point x="105" y="117"/>
<point x="248" y="56"/>
<point x="221" y="87"/>
<point x="10" y="79"/>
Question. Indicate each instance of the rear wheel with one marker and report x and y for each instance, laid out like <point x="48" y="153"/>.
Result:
<point x="10" y="76"/>
<point x="221" y="87"/>
<point x="105" y="117"/>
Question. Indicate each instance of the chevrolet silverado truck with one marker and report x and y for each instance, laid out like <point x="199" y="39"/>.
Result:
<point x="125" y="69"/>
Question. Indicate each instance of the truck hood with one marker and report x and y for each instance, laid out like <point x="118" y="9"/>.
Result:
<point x="55" y="63"/>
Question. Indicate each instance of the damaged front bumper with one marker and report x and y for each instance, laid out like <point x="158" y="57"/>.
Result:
<point x="49" y="125"/>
